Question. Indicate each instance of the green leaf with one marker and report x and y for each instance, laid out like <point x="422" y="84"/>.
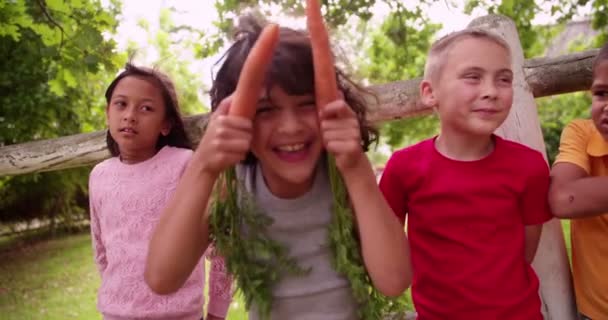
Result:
<point x="69" y="78"/>
<point x="60" y="5"/>
<point x="57" y="87"/>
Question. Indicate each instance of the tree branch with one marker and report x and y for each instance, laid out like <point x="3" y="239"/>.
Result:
<point x="42" y="6"/>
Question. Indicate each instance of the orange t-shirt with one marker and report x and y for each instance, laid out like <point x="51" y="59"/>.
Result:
<point x="581" y="144"/>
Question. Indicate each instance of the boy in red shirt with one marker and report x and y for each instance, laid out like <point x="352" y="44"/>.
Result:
<point x="475" y="202"/>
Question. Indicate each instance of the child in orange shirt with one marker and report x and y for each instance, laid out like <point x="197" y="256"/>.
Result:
<point x="579" y="191"/>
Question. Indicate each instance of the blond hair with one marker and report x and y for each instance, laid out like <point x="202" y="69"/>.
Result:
<point x="439" y="50"/>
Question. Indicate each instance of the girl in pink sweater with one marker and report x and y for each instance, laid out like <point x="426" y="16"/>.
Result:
<point x="127" y="192"/>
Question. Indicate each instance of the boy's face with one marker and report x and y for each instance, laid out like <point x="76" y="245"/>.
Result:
<point x="287" y="141"/>
<point x="599" y="101"/>
<point x="473" y="91"/>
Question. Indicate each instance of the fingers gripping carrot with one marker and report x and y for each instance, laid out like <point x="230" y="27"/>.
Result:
<point x="251" y="79"/>
<point x="326" y="87"/>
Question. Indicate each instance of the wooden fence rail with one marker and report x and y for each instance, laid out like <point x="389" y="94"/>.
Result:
<point x="396" y="100"/>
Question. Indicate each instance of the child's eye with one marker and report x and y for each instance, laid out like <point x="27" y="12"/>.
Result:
<point x="119" y="103"/>
<point x="505" y="80"/>
<point x="147" y="108"/>
<point x="264" y="109"/>
<point x="601" y="93"/>
<point x="472" y="76"/>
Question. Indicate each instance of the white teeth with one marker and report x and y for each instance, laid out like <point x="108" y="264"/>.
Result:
<point x="291" y="147"/>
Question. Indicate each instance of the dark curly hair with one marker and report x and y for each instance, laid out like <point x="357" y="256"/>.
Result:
<point x="291" y="69"/>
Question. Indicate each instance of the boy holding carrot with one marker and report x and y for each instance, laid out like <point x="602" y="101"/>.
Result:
<point x="475" y="202"/>
<point x="296" y="121"/>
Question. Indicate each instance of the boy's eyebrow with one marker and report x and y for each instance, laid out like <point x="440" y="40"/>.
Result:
<point x="469" y="69"/>
<point x="264" y="101"/>
<point x="479" y="69"/>
<point x="306" y="101"/>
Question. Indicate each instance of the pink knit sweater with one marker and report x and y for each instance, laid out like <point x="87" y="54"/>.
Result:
<point x="126" y="202"/>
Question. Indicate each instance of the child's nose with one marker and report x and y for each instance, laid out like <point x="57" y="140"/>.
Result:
<point x="129" y="114"/>
<point x="290" y="122"/>
<point x="489" y="90"/>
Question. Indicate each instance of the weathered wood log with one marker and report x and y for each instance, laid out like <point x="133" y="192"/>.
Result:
<point x="553" y="76"/>
<point x="69" y="151"/>
<point x="522" y="125"/>
<point x="545" y="77"/>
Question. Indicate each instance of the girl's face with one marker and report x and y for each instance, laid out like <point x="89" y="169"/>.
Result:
<point x="287" y="141"/>
<point x="599" y="101"/>
<point x="136" y="118"/>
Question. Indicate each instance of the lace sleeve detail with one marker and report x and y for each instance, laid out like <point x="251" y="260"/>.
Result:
<point x="220" y="285"/>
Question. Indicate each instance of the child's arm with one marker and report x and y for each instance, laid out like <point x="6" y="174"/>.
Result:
<point x="532" y="234"/>
<point x="574" y="194"/>
<point x="182" y="235"/>
<point x="534" y="203"/>
<point x="384" y="244"/>
<point x="220" y="287"/>
<point x="99" y="249"/>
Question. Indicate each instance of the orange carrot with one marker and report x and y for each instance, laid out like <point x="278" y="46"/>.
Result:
<point x="251" y="79"/>
<point x="326" y="87"/>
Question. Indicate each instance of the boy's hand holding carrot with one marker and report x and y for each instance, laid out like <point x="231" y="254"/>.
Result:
<point x="339" y="125"/>
<point x="341" y="135"/>
<point x="228" y="136"/>
<point x="226" y="141"/>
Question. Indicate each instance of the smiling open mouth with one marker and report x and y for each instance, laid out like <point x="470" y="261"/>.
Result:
<point x="127" y="130"/>
<point x="291" y="147"/>
<point x="292" y="152"/>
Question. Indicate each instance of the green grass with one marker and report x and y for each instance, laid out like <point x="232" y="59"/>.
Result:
<point x="56" y="280"/>
<point x="566" y="229"/>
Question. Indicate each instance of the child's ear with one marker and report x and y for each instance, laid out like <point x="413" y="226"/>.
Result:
<point x="427" y="94"/>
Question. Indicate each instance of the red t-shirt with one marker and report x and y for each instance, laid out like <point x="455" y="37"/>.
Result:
<point x="466" y="229"/>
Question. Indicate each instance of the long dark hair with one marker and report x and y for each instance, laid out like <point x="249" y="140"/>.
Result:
<point x="177" y="137"/>
<point x="291" y="69"/>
